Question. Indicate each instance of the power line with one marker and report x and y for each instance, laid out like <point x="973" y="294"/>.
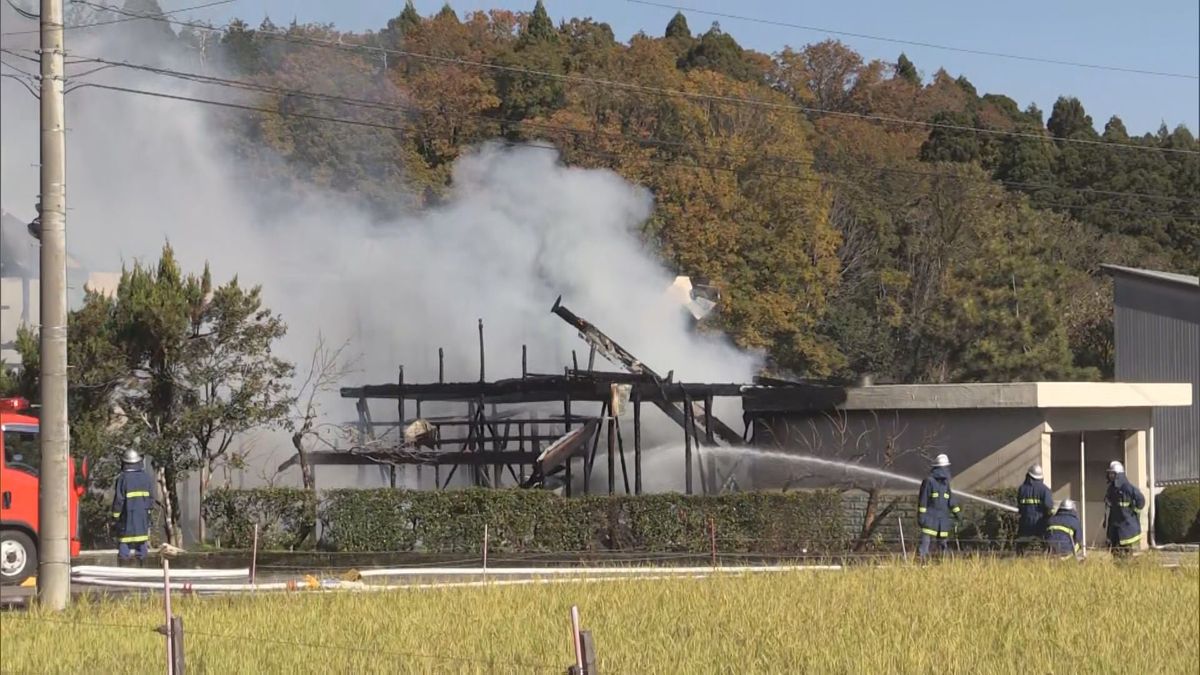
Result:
<point x="390" y="107"/>
<point x="129" y="16"/>
<point x="32" y="16"/>
<point x="612" y="157"/>
<point x="914" y="43"/>
<point x="628" y="86"/>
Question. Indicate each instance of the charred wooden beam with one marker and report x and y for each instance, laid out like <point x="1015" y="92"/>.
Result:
<point x="571" y="444"/>
<point x="474" y="457"/>
<point x="622" y="357"/>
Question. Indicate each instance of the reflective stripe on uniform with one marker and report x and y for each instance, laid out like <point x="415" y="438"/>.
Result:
<point x="133" y="538"/>
<point x="926" y="530"/>
<point x="1125" y="503"/>
<point x="956" y="509"/>
<point x="921" y="509"/>
<point x="137" y="493"/>
<point x="116" y="514"/>
<point x="1031" y="500"/>
<point x="943" y="535"/>
<point x="933" y="495"/>
<point x="1131" y="540"/>
<point x="1063" y="528"/>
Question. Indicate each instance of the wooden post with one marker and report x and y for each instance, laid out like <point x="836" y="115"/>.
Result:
<point x="612" y="441"/>
<point x="520" y="448"/>
<point x="687" y="446"/>
<point x="524" y="361"/>
<point x="177" y="644"/>
<point x="168" y="625"/>
<point x="566" y="430"/>
<point x="712" y="484"/>
<point x="254" y="556"/>
<point x="485" y="550"/>
<point x="903" y="548"/>
<point x="177" y="631"/>
<point x="621" y="452"/>
<point x="481" y="370"/>
<point x="592" y="358"/>
<point x="575" y="639"/>
<point x="589" y="653"/>
<point x="400" y="401"/>
<point x="419" y="466"/>
<point x="441" y="366"/>
<point x="575" y="360"/>
<point x="637" y="441"/>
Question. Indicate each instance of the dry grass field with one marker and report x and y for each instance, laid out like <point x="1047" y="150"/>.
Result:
<point x="959" y="617"/>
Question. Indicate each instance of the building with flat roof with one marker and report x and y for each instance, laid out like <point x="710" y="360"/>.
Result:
<point x="992" y="433"/>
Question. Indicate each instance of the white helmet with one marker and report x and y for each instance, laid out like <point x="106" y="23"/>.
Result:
<point x="1066" y="505"/>
<point x="1035" y="472"/>
<point x="131" y="456"/>
<point x="941" y="460"/>
<point x="1116" y="467"/>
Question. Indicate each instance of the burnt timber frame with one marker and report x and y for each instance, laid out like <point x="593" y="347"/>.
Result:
<point x="490" y="435"/>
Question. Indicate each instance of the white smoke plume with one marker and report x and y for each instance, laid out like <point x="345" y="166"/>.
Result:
<point x="519" y="229"/>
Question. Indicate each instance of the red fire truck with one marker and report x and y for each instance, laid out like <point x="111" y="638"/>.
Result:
<point x="20" y="459"/>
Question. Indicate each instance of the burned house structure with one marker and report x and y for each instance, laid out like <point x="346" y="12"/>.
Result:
<point x="541" y="430"/>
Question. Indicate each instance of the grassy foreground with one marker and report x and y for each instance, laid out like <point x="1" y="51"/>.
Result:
<point x="963" y="617"/>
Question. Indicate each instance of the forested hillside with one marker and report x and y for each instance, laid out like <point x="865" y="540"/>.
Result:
<point x="859" y="217"/>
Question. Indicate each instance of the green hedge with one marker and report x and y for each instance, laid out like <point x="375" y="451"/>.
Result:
<point x="285" y="517"/>
<point x="522" y="521"/>
<point x="1177" y="515"/>
<point x="987" y="527"/>
<point x="536" y="521"/>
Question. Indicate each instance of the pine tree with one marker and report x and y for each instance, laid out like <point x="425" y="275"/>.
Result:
<point x="540" y="28"/>
<point x="678" y="29"/>
<point x="906" y="71"/>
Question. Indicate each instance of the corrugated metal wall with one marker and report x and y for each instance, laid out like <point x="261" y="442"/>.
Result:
<point x="1157" y="325"/>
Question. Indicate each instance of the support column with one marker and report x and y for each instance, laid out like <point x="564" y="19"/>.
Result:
<point x="1137" y="471"/>
<point x="1083" y="487"/>
<point x="1046" y="458"/>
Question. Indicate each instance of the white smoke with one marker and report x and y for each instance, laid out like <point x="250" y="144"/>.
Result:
<point x="518" y="230"/>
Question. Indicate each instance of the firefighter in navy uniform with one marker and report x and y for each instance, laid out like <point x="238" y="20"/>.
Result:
<point x="1123" y="504"/>
<point x="1064" y="532"/>
<point x="1034" y="506"/>
<point x="132" y="502"/>
<point x="936" y="507"/>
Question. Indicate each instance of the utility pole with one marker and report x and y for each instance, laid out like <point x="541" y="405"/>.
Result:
<point x="54" y="544"/>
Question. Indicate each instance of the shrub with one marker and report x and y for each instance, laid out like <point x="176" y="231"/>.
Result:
<point x="285" y="516"/>
<point x="535" y="521"/>
<point x="95" y="520"/>
<point x="1177" y="515"/>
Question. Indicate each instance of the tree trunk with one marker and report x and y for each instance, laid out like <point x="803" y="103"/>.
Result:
<point x="205" y="474"/>
<point x="306" y="475"/>
<point x="868" y="519"/>
<point x="166" y="490"/>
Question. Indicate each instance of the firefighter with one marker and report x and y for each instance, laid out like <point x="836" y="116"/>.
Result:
<point x="1034" y="506"/>
<point x="131" y="510"/>
<point x="1064" y="533"/>
<point x="936" y="506"/>
<point x="1123" y="504"/>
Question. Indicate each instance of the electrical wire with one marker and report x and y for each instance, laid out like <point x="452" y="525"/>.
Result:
<point x="628" y="86"/>
<point x="129" y="16"/>
<point x="32" y="16"/>
<point x="914" y="43"/>
<point x="392" y="107"/>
